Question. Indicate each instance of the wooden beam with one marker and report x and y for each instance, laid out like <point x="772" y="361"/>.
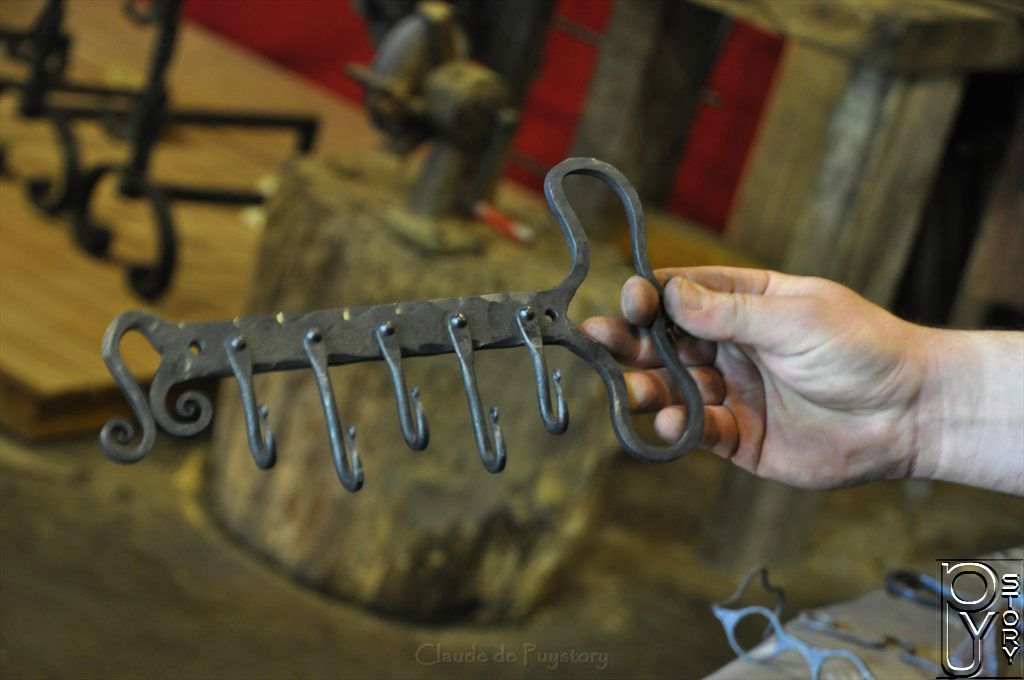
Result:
<point x="882" y="149"/>
<point x="903" y="35"/>
<point x="841" y="169"/>
<point x="780" y="173"/>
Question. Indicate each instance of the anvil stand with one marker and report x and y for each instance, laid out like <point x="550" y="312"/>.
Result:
<point x="142" y="123"/>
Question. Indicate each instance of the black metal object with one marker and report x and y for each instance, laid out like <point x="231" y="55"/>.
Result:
<point x="389" y="332"/>
<point x="44" y="48"/>
<point x="140" y="117"/>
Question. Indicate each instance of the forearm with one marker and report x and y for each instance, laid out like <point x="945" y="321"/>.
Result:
<point x="970" y="413"/>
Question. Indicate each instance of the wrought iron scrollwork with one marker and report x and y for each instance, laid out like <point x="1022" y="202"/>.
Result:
<point x="137" y="116"/>
<point x="390" y="332"/>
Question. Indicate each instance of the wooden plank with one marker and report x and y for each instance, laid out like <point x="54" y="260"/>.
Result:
<point x="837" y="182"/>
<point x="903" y="35"/>
<point x="780" y="172"/>
<point x="882" y="150"/>
<point x="841" y="169"/>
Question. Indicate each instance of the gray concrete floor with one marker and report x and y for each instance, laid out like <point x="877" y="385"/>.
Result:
<point x="118" y="572"/>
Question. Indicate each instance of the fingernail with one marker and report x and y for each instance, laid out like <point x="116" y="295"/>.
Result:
<point x="689" y="295"/>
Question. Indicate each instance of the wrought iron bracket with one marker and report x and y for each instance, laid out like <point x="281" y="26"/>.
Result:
<point x="140" y="116"/>
<point x="314" y="340"/>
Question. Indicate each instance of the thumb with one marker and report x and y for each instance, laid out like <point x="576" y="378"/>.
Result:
<point x="759" y="320"/>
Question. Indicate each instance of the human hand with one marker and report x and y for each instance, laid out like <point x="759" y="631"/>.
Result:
<point x="803" y="380"/>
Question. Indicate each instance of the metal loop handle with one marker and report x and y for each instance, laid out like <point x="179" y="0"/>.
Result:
<point x="598" y="356"/>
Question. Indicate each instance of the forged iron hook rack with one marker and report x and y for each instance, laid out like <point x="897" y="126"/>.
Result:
<point x="390" y="332"/>
<point x="136" y="115"/>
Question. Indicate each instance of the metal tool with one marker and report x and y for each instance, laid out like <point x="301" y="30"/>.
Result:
<point x="424" y="86"/>
<point x="831" y="626"/>
<point x="916" y="587"/>
<point x="390" y="332"/>
<point x="140" y="116"/>
<point x="816" y="657"/>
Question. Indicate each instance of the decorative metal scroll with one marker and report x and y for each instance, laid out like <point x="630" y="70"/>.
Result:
<point x="462" y="326"/>
<point x="140" y="117"/>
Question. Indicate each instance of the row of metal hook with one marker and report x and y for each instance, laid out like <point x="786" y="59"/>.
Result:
<point x="413" y="422"/>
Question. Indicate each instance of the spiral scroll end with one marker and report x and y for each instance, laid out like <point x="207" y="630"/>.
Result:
<point x="115" y="438"/>
<point x="117" y="435"/>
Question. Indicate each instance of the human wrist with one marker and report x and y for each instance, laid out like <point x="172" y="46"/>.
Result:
<point x="935" y="352"/>
<point x="968" y="414"/>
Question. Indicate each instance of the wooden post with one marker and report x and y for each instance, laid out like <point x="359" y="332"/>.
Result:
<point x="431" y="536"/>
<point x="654" y="62"/>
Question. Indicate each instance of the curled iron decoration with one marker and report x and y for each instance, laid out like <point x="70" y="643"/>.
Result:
<point x="149" y="280"/>
<point x="392" y="332"/>
<point x="46" y="194"/>
<point x="135" y="115"/>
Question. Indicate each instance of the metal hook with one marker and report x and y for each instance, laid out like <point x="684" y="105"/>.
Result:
<point x="343" y="446"/>
<point x="493" y="457"/>
<point x="529" y="328"/>
<point x="261" y="439"/>
<point x="417" y="435"/>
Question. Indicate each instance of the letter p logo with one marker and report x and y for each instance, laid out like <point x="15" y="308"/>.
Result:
<point x="965" y="603"/>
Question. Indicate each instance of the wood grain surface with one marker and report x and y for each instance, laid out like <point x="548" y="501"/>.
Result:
<point x="905" y="35"/>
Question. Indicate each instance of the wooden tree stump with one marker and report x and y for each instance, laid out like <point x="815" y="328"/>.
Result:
<point x="431" y="536"/>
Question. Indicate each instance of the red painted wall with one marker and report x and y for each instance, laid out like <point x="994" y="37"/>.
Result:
<point x="317" y="38"/>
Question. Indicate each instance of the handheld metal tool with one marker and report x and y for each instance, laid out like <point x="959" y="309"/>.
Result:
<point x="462" y="326"/>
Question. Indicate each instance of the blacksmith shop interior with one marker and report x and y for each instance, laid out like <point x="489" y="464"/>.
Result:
<point x="511" y="338"/>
